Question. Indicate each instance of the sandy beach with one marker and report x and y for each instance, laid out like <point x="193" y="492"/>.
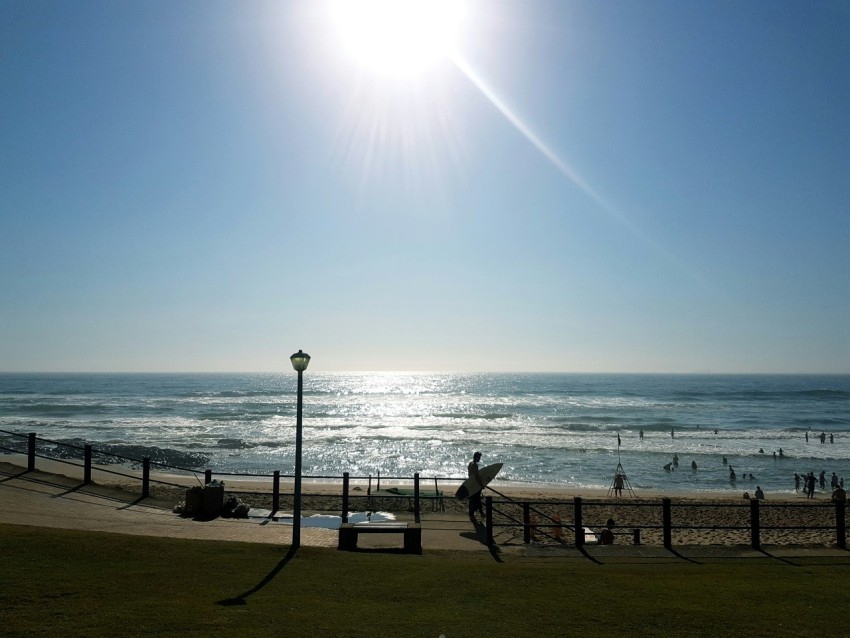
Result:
<point x="697" y="518"/>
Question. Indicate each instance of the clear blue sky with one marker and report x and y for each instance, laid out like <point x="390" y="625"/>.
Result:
<point x="211" y="185"/>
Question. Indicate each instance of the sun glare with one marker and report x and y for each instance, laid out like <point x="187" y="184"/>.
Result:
<point x="397" y="37"/>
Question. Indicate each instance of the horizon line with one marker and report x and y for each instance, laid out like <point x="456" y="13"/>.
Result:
<point x="424" y="371"/>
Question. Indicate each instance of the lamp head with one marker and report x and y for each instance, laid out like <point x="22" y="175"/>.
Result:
<point x="300" y="361"/>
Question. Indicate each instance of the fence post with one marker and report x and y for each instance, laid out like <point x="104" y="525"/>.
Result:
<point x="488" y="502"/>
<point x="579" y="525"/>
<point x="840" y="527"/>
<point x="755" y="524"/>
<point x="345" y="477"/>
<point x="416" y="498"/>
<point x="87" y="464"/>
<point x="31" y="451"/>
<point x="146" y="477"/>
<point x="667" y="523"/>
<point x="275" y="491"/>
<point x="207" y="476"/>
<point x="526" y="524"/>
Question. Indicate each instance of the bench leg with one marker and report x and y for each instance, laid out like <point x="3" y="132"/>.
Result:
<point x="413" y="540"/>
<point x="347" y="539"/>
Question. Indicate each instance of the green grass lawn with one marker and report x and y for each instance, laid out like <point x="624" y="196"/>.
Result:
<point x="60" y="582"/>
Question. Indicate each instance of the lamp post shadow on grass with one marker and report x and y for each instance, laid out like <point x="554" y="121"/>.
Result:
<point x="241" y="599"/>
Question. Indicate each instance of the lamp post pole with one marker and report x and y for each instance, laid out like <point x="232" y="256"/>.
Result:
<point x="299" y="362"/>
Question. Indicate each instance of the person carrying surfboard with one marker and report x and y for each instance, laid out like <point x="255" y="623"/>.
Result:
<point x="475" y="499"/>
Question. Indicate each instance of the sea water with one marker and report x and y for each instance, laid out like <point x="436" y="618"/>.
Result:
<point x="570" y="430"/>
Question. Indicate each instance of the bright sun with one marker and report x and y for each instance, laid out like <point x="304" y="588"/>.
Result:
<point x="397" y="37"/>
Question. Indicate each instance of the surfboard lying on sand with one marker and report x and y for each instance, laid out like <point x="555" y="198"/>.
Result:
<point x="472" y="485"/>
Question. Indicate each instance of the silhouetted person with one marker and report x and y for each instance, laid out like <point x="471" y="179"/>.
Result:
<point x="606" y="537"/>
<point x="618" y="485"/>
<point x="475" y="499"/>
<point x="810" y="485"/>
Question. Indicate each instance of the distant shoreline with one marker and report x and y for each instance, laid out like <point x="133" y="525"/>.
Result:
<point x="130" y="479"/>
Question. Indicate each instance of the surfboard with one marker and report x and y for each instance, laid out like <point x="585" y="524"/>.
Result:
<point x="472" y="486"/>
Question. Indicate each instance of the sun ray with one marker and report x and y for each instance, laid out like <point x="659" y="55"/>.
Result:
<point x="567" y="171"/>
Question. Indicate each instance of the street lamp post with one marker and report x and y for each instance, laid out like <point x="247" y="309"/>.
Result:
<point x="299" y="362"/>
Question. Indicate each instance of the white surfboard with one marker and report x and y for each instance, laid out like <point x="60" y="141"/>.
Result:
<point x="472" y="485"/>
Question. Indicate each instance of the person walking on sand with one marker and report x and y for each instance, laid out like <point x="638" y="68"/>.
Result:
<point x="475" y="499"/>
<point x="618" y="485"/>
<point x="759" y="493"/>
<point x="810" y="485"/>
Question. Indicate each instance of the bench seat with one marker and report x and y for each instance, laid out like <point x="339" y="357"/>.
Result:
<point x="412" y="532"/>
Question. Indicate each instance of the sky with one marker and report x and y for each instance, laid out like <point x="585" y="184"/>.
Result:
<point x="606" y="186"/>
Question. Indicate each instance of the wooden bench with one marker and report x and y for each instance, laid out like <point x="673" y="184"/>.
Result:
<point x="348" y="533"/>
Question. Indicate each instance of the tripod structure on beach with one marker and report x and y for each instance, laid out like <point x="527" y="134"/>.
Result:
<point x="620" y="475"/>
<point x="627" y="486"/>
<point x="621" y="481"/>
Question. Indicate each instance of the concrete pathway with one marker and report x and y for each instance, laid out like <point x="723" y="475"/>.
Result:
<point x="50" y="500"/>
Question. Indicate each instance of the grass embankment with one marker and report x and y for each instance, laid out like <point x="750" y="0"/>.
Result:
<point x="60" y="582"/>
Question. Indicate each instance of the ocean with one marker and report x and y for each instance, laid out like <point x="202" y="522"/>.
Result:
<point x="547" y="429"/>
